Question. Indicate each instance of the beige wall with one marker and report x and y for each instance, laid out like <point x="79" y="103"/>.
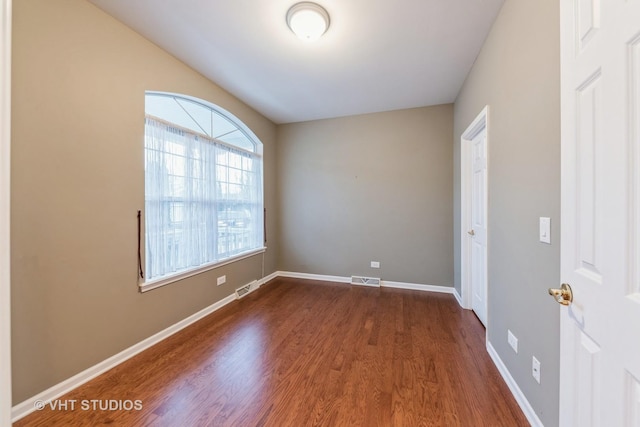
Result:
<point x="79" y="79"/>
<point x="374" y="187"/>
<point x="346" y="191"/>
<point x="518" y="75"/>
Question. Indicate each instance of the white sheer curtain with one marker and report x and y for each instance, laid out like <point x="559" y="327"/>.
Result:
<point x="203" y="199"/>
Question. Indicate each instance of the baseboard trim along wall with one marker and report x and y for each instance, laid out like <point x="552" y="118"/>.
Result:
<point x="513" y="386"/>
<point x="23" y="409"/>
<point x="458" y="297"/>
<point x="308" y="276"/>
<point x="383" y="283"/>
<point x="417" y="287"/>
<point x="268" y="278"/>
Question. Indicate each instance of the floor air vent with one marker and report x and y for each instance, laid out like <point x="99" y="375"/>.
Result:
<point x="246" y="289"/>
<point x="365" y="281"/>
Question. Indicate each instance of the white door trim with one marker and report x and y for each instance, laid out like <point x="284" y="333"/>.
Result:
<point x="5" y="247"/>
<point x="481" y="122"/>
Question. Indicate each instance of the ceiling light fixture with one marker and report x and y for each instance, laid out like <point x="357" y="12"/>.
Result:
<point x="308" y="20"/>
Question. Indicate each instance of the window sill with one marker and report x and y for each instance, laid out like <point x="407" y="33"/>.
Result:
<point x="165" y="280"/>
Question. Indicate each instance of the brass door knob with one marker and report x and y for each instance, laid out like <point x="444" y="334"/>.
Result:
<point x="471" y="233"/>
<point x="563" y="296"/>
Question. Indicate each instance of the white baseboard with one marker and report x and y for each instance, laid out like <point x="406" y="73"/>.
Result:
<point x="23" y="409"/>
<point x="268" y="278"/>
<point x="26" y="407"/>
<point x="383" y="283"/>
<point x="416" y="287"/>
<point x="458" y="297"/>
<point x="513" y="386"/>
<point x="368" y="285"/>
<point x="309" y="276"/>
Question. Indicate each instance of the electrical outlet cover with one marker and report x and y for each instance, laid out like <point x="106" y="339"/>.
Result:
<point x="512" y="340"/>
<point x="535" y="369"/>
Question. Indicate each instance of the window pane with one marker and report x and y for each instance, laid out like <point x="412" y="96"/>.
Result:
<point x="238" y="139"/>
<point x="199" y="114"/>
<point x="165" y="107"/>
<point x="222" y="126"/>
<point x="203" y="197"/>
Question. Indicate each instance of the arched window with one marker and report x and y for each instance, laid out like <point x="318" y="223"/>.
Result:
<point x="203" y="187"/>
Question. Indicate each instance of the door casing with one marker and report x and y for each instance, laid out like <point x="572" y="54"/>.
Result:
<point x="5" y="247"/>
<point x="480" y="123"/>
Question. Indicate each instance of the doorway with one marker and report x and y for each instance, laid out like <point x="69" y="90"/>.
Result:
<point x="474" y="224"/>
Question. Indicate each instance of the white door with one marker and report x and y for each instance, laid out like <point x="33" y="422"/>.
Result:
<point x="600" y="330"/>
<point x="478" y="229"/>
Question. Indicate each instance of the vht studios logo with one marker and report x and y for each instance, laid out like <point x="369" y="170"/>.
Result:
<point x="89" y="405"/>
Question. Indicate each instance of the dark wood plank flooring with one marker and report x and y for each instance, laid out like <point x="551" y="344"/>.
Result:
<point x="306" y="353"/>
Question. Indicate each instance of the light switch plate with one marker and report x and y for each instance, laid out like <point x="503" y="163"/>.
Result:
<point x="545" y="230"/>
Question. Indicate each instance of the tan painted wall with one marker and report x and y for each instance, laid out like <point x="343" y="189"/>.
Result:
<point x="518" y="75"/>
<point x="374" y="187"/>
<point x="79" y="79"/>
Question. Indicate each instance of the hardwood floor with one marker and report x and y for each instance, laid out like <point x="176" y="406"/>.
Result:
<point x="306" y="353"/>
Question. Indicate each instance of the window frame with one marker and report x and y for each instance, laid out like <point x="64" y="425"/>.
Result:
<point x="147" y="285"/>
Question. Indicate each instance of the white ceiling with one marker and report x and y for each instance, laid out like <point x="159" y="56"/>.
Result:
<point x="377" y="55"/>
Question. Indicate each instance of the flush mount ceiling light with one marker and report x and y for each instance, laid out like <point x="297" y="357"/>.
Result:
<point x="308" y="20"/>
